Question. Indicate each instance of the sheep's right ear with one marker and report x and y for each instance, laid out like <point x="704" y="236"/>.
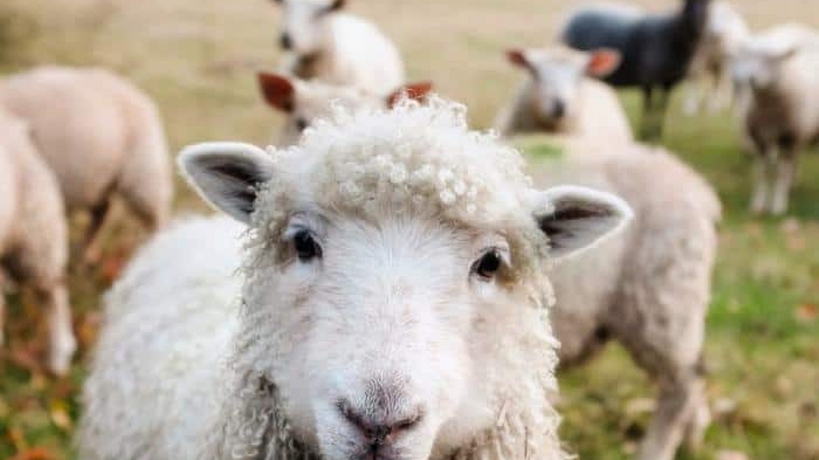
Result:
<point x="278" y="91"/>
<point x="518" y="57"/>
<point x="414" y="91"/>
<point x="227" y="175"/>
<point x="603" y="62"/>
<point x="576" y="218"/>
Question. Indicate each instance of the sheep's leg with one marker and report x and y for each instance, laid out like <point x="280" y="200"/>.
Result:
<point x="648" y="109"/>
<point x="91" y="246"/>
<point x="785" y="172"/>
<point x="659" y="115"/>
<point x="2" y="313"/>
<point x="679" y="403"/>
<point x="763" y="166"/>
<point x="722" y="91"/>
<point x="61" y="336"/>
<point x="695" y="95"/>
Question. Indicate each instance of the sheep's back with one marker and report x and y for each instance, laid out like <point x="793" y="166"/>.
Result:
<point x="77" y="124"/>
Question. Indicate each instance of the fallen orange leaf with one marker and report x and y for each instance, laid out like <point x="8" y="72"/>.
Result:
<point x="807" y="313"/>
<point x="36" y="453"/>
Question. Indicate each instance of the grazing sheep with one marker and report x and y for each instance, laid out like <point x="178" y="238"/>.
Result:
<point x="33" y="235"/>
<point x="647" y="287"/>
<point x="656" y="51"/>
<point x="709" y="74"/>
<point x="559" y="98"/>
<point x="331" y="46"/>
<point x="306" y="101"/>
<point x="394" y="302"/>
<point x="100" y="136"/>
<point x="781" y="114"/>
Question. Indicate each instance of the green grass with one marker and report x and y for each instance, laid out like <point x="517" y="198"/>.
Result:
<point x="197" y="58"/>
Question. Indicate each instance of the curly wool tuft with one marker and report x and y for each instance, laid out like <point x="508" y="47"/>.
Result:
<point x="414" y="158"/>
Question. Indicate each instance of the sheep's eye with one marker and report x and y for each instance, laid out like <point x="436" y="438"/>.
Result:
<point x="306" y="247"/>
<point x="488" y="265"/>
<point x="301" y="124"/>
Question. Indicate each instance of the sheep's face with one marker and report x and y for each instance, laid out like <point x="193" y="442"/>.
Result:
<point x="556" y="77"/>
<point x="390" y="306"/>
<point x="757" y="65"/>
<point x="304" y="102"/>
<point x="306" y="24"/>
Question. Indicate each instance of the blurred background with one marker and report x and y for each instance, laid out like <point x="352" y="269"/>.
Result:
<point x="198" y="61"/>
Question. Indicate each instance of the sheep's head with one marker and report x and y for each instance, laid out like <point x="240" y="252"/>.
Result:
<point x="303" y="102"/>
<point x="757" y="63"/>
<point x="396" y="286"/>
<point x="556" y="76"/>
<point x="305" y="24"/>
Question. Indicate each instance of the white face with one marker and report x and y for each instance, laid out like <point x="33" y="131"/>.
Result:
<point x="385" y="315"/>
<point x="758" y="68"/>
<point x="305" y="25"/>
<point x="556" y="88"/>
<point x="313" y="101"/>
<point x="387" y="326"/>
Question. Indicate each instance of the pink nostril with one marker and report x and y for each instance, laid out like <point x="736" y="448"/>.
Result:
<point x="379" y="430"/>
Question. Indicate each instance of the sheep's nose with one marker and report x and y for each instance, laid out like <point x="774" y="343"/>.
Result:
<point x="285" y="41"/>
<point x="380" y="427"/>
<point x="559" y="109"/>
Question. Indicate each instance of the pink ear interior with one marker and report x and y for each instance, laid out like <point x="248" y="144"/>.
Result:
<point x="415" y="91"/>
<point x="278" y="91"/>
<point x="517" y="57"/>
<point x="603" y="62"/>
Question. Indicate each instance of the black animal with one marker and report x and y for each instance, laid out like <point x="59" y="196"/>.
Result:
<point x="656" y="51"/>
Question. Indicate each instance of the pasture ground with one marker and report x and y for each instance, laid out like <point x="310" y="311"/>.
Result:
<point x="197" y="59"/>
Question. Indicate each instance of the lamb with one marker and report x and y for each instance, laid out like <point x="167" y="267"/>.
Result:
<point x="100" y="136"/>
<point x="656" y="51"/>
<point x="304" y="102"/>
<point x="559" y="98"/>
<point x="393" y="304"/>
<point x="781" y="114"/>
<point x="331" y="46"/>
<point x="709" y="74"/>
<point x="647" y="287"/>
<point x="33" y="236"/>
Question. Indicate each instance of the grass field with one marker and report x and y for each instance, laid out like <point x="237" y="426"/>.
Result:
<point x="197" y="59"/>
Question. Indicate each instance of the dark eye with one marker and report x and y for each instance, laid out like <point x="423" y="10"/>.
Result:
<point x="306" y="247"/>
<point x="301" y="124"/>
<point x="488" y="265"/>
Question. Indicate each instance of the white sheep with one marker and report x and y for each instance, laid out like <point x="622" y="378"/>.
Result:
<point x="393" y="302"/>
<point x="100" y="136"/>
<point x="33" y="236"/>
<point x="304" y="102"/>
<point x="326" y="44"/>
<point x="560" y="97"/>
<point x="780" y="115"/>
<point x="647" y="287"/>
<point x="709" y="74"/>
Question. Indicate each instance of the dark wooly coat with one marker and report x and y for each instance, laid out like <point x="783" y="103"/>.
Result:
<point x="656" y="50"/>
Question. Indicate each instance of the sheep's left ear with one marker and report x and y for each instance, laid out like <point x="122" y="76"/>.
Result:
<point x="415" y="91"/>
<point x="335" y="6"/>
<point x="576" y="218"/>
<point x="227" y="175"/>
<point x="603" y="62"/>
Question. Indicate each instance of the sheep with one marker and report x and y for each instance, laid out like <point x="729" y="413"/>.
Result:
<point x="559" y="98"/>
<point x="33" y="236"/>
<point x="326" y="44"/>
<point x="656" y="51"/>
<point x="393" y="303"/>
<point x="647" y="287"/>
<point x="100" y="136"/>
<point x="709" y="74"/>
<point x="780" y="115"/>
<point x="306" y="101"/>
